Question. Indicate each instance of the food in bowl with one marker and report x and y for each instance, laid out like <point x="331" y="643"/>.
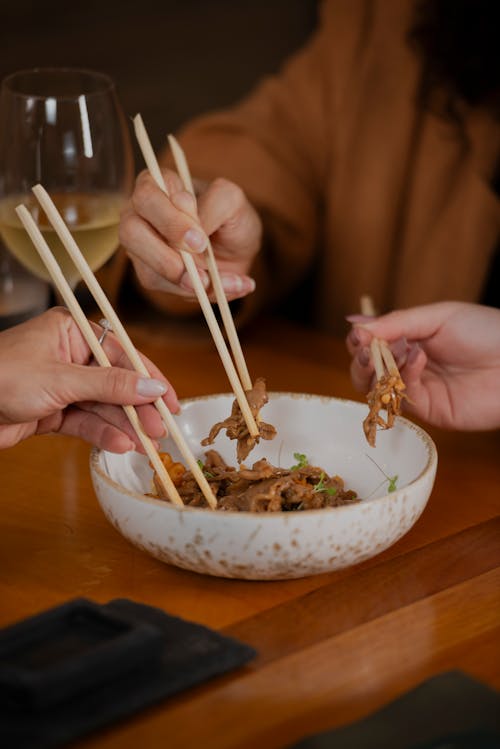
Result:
<point x="261" y="488"/>
<point x="277" y="545"/>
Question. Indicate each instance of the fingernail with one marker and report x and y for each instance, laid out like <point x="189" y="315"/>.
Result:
<point x="413" y="353"/>
<point x="185" y="282"/>
<point x="148" y="387"/>
<point x="363" y="356"/>
<point x="399" y="348"/>
<point x="234" y="284"/>
<point x="195" y="240"/>
<point x="353" y="338"/>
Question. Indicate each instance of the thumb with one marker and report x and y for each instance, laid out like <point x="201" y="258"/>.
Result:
<point x="113" y="385"/>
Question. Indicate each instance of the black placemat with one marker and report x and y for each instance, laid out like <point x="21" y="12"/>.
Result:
<point x="449" y="711"/>
<point x="190" y="654"/>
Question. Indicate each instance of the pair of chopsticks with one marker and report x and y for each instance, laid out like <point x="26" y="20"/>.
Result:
<point x="71" y="302"/>
<point x="381" y="353"/>
<point x="239" y="380"/>
<point x="106" y="308"/>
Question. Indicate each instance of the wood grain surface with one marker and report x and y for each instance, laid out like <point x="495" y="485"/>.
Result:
<point x="332" y="648"/>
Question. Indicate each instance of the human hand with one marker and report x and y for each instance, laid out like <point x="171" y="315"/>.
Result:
<point x="46" y="386"/>
<point x="154" y="228"/>
<point x="448" y="355"/>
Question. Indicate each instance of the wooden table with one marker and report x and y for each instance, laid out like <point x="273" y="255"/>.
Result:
<point x="333" y="647"/>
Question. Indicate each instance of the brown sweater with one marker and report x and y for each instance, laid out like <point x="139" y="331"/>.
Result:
<point x="352" y="178"/>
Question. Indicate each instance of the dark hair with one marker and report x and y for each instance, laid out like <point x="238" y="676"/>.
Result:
<point x="459" y="41"/>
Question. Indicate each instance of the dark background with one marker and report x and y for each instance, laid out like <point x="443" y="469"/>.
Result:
<point x="170" y="60"/>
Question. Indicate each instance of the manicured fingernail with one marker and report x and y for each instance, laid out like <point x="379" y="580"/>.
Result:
<point x="399" y="347"/>
<point x="234" y="284"/>
<point x="363" y="357"/>
<point x="231" y="283"/>
<point x="413" y="353"/>
<point x="195" y="240"/>
<point x="149" y="387"/>
<point x="353" y="338"/>
<point x="185" y="282"/>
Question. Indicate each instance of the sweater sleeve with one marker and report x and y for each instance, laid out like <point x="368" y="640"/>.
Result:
<point x="272" y="145"/>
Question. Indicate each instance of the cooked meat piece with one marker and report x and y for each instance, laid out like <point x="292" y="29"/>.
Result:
<point x="261" y="488"/>
<point x="387" y="395"/>
<point x="236" y="428"/>
<point x="260" y="470"/>
<point x="213" y="459"/>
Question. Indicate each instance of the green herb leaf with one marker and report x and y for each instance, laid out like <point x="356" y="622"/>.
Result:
<point x="206" y="473"/>
<point x="302" y="461"/>
<point x="320" y="486"/>
<point x="392" y="481"/>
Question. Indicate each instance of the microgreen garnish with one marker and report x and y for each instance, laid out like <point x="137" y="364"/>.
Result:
<point x="302" y="461"/>
<point x="392" y="483"/>
<point x="206" y="473"/>
<point x="320" y="486"/>
<point x="391" y="480"/>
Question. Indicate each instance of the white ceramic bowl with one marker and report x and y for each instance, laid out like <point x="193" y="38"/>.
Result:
<point x="271" y="546"/>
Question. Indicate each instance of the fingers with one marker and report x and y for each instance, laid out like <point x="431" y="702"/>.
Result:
<point x="362" y="370"/>
<point x="224" y="208"/>
<point x="158" y="266"/>
<point x="118" y="358"/>
<point x="107" y="385"/>
<point x="417" y="323"/>
<point x="235" y="230"/>
<point x="173" y="217"/>
<point x="116" y="416"/>
<point x="356" y="339"/>
<point x="91" y="428"/>
<point x="415" y="364"/>
<point x="154" y="228"/>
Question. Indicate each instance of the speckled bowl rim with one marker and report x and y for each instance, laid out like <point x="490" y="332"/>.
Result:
<point x="422" y="434"/>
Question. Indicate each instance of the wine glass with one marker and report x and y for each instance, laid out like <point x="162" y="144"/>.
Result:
<point x="63" y="128"/>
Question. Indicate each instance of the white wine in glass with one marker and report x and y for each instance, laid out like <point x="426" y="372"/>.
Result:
<point x="63" y="128"/>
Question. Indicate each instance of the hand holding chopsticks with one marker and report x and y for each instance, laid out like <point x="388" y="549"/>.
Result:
<point x="108" y="311"/>
<point x="238" y="386"/>
<point x="46" y="387"/>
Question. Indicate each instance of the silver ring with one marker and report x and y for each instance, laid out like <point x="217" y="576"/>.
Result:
<point x="106" y="327"/>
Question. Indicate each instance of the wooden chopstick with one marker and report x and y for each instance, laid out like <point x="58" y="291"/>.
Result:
<point x="381" y="353"/>
<point x="109" y="313"/>
<point x="201" y="294"/>
<point x="378" y="362"/>
<point x="388" y="358"/>
<point x="227" y="318"/>
<point x="367" y="306"/>
<point x="86" y="330"/>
